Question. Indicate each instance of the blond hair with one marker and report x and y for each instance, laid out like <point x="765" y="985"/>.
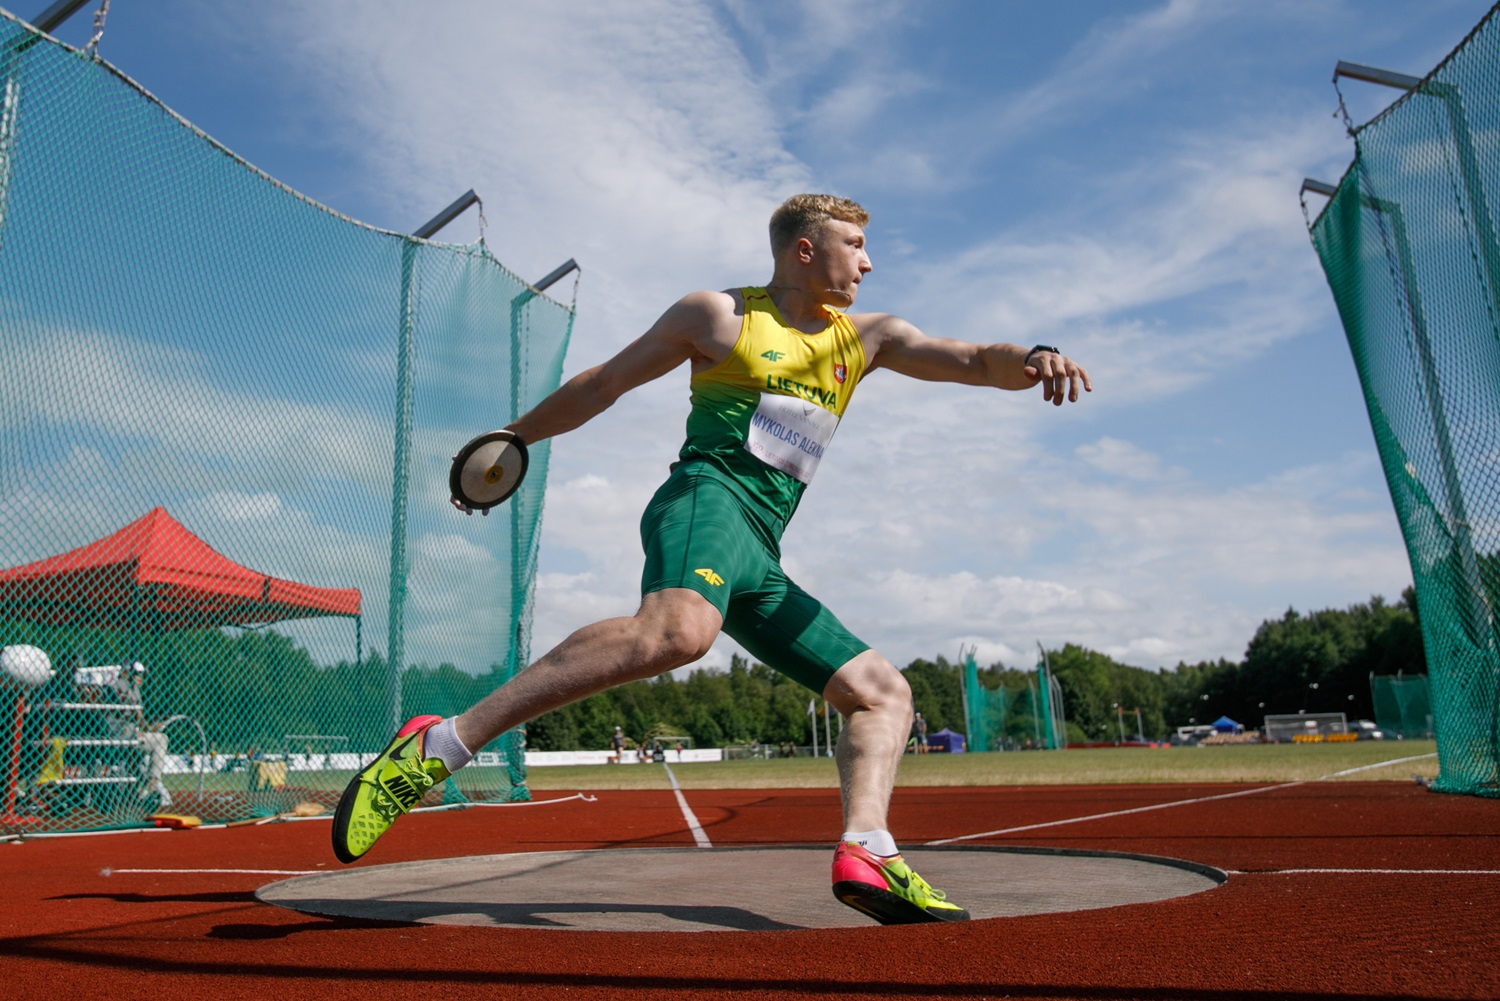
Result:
<point x="805" y="215"/>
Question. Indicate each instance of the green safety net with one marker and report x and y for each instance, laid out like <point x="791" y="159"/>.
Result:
<point x="229" y="567"/>
<point x="1411" y="252"/>
<point x="1401" y="705"/>
<point x="984" y="709"/>
<point x="1006" y="719"/>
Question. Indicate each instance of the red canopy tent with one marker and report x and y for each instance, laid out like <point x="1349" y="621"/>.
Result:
<point x="155" y="576"/>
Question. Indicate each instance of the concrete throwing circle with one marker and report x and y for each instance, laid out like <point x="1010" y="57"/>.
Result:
<point x="718" y="889"/>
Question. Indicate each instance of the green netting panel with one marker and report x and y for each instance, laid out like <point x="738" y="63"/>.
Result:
<point x="1000" y="718"/>
<point x="984" y="710"/>
<point x="1411" y="251"/>
<point x="226" y="419"/>
<point x="1401" y="704"/>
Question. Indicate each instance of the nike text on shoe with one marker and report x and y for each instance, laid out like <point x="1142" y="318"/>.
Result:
<point x="387" y="789"/>
<point x="887" y="889"/>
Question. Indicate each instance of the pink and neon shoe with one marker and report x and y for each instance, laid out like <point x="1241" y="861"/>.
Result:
<point x="887" y="889"/>
<point x="386" y="790"/>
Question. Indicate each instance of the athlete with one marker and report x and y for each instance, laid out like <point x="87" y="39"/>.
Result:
<point x="773" y="369"/>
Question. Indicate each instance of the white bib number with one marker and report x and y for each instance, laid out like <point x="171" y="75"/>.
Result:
<point x="790" y="434"/>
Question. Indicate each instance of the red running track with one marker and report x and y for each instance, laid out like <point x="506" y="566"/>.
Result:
<point x="1427" y="929"/>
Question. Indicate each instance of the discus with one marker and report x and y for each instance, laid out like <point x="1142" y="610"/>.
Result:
<point x="487" y="470"/>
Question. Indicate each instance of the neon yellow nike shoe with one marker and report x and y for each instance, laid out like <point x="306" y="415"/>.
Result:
<point x="887" y="889"/>
<point x="386" y="790"/>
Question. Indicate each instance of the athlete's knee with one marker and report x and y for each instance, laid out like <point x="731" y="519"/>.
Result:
<point x="675" y="644"/>
<point x="674" y="631"/>
<point x="869" y="682"/>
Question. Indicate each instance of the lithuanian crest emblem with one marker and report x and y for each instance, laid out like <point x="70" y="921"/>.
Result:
<point x="840" y="372"/>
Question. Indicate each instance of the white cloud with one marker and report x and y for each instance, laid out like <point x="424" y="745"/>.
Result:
<point x="1107" y="66"/>
<point x="1123" y="459"/>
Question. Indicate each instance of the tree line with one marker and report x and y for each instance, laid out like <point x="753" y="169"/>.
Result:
<point x="250" y="690"/>
<point x="1317" y="662"/>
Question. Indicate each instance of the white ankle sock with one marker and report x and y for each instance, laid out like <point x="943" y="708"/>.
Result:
<point x="878" y="842"/>
<point x="441" y="741"/>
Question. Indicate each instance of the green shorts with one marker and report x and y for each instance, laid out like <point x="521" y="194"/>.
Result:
<point x="698" y="534"/>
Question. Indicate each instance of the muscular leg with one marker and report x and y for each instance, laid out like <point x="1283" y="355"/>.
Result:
<point x="673" y="627"/>
<point x="867" y="875"/>
<point x="876" y="701"/>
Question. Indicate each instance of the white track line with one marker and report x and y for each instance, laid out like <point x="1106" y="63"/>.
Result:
<point x="251" y="872"/>
<point x="527" y="802"/>
<point x="1364" y="872"/>
<point x="687" y="812"/>
<point x="1180" y="802"/>
<point x="22" y="838"/>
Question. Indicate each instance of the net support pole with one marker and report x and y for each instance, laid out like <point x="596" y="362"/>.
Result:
<point x="963" y="696"/>
<point x="1481" y="224"/>
<point x="521" y="562"/>
<point x="1371" y="74"/>
<point x="1474" y="605"/>
<point x="401" y="464"/>
<point x="400" y="491"/>
<point x="1044" y="685"/>
<point x="56" y="15"/>
<point x="523" y="553"/>
<point x="1479" y="612"/>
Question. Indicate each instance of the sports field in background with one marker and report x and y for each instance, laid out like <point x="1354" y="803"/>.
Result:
<point x="1083" y="766"/>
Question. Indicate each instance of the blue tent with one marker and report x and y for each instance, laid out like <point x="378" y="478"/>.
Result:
<point x="1226" y="725"/>
<point x="946" y="740"/>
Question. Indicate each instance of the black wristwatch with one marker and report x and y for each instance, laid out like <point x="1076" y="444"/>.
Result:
<point x="1040" y="347"/>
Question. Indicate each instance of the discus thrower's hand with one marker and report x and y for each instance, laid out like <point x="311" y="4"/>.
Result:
<point x="1053" y="371"/>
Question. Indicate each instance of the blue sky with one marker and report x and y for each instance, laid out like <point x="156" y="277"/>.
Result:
<point x="1116" y="178"/>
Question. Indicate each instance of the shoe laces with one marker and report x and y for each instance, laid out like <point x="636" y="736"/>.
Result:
<point x="921" y="884"/>
<point x="410" y="783"/>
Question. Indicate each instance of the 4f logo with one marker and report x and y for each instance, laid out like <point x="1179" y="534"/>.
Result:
<point x="773" y="355"/>
<point x="713" y="579"/>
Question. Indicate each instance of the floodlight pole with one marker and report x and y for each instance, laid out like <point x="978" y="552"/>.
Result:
<point x="401" y="471"/>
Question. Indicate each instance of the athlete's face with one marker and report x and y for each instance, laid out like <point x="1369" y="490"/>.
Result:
<point x="840" y="247"/>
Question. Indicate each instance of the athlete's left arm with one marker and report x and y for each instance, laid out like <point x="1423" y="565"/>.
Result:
<point x="894" y="343"/>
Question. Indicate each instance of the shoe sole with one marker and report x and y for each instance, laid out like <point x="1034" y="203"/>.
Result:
<point x="341" y="820"/>
<point x="888" y="908"/>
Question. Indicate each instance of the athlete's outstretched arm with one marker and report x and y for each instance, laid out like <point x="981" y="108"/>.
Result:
<point x="901" y="347"/>
<point x="672" y="340"/>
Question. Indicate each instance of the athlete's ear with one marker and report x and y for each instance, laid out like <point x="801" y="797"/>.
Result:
<point x="804" y="248"/>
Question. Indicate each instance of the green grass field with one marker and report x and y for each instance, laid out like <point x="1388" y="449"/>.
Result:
<point x="1094" y="766"/>
<point x="1251" y="763"/>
